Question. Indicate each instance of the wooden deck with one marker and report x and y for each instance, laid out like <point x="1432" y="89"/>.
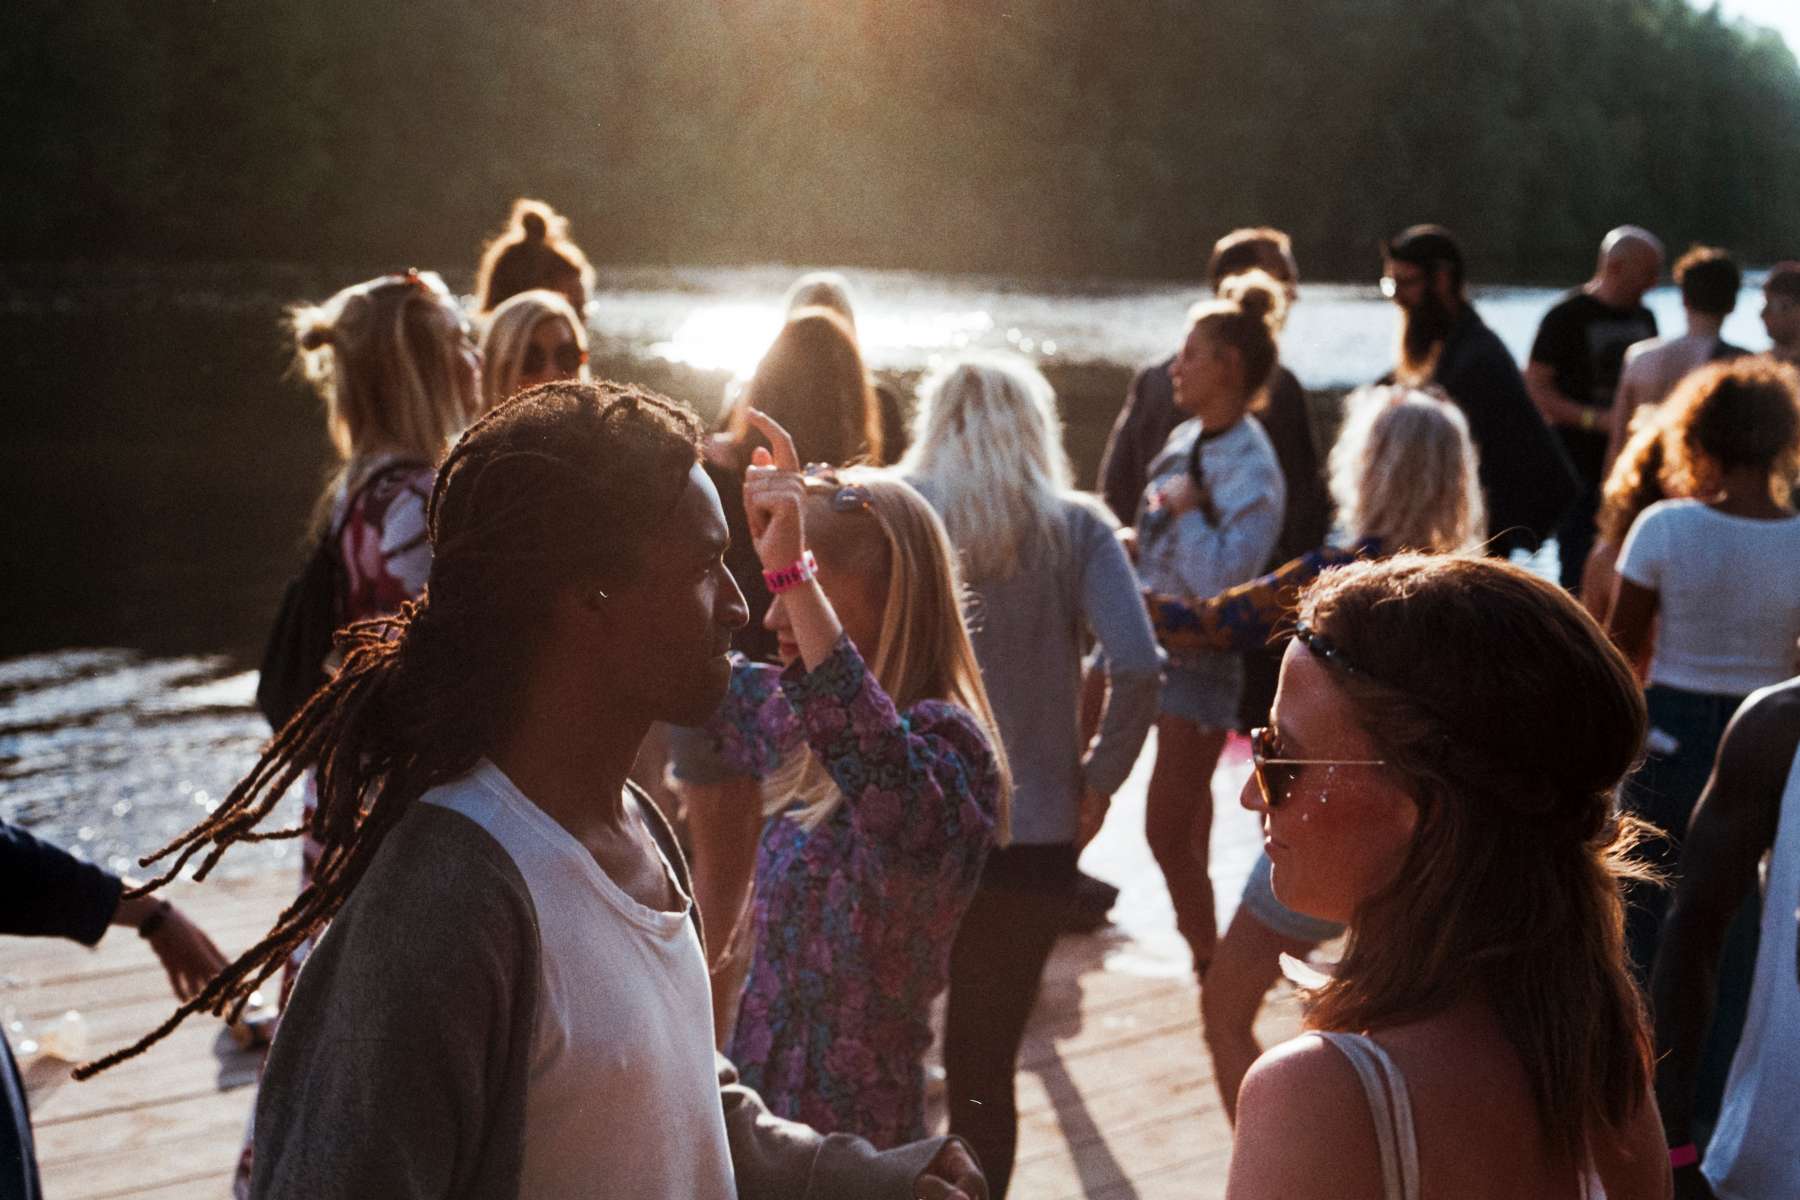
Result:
<point x="1115" y="1090"/>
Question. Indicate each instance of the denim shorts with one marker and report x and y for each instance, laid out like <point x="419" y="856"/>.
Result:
<point x="1259" y="899"/>
<point x="1204" y="689"/>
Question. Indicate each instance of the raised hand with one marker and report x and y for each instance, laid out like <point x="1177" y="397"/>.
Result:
<point x="774" y="496"/>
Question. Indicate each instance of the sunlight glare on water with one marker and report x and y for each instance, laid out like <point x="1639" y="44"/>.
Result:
<point x="1338" y="335"/>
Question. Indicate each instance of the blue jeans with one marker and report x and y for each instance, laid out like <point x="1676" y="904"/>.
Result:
<point x="1685" y="731"/>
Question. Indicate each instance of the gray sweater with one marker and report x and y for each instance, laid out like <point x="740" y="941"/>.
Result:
<point x="401" y="1066"/>
<point x="1028" y="633"/>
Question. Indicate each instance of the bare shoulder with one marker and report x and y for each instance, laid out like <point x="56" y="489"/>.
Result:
<point x="1304" y="1128"/>
<point x="1305" y="1070"/>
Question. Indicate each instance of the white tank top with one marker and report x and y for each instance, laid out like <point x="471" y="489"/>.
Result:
<point x="1755" y="1148"/>
<point x="1391" y="1106"/>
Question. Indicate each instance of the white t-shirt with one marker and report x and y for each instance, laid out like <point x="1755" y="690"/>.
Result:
<point x="1729" y="595"/>
<point x="623" y="1098"/>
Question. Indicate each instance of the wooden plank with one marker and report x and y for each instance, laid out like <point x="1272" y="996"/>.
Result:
<point x="201" y="1159"/>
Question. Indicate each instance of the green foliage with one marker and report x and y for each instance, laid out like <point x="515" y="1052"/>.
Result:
<point x="1035" y="136"/>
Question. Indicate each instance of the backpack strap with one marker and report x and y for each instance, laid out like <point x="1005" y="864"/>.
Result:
<point x="384" y="473"/>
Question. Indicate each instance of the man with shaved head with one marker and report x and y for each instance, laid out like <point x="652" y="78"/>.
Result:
<point x="1575" y="365"/>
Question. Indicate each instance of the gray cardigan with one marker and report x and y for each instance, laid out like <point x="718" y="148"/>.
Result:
<point x="1028" y="633"/>
<point x="401" y="1066"/>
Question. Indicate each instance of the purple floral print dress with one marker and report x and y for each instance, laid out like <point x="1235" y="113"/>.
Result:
<point x="853" y="921"/>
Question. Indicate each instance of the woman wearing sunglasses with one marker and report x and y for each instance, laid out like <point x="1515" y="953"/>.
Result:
<point x="532" y="338"/>
<point x="884" y="787"/>
<point x="1440" y="774"/>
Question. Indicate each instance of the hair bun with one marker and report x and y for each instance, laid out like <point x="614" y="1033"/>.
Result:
<point x="533" y="225"/>
<point x="1257" y="300"/>
<point x="1257" y="294"/>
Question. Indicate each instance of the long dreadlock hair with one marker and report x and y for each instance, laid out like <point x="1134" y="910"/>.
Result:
<point x="566" y="482"/>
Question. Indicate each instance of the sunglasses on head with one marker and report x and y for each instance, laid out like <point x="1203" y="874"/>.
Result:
<point x="1275" y="774"/>
<point x="568" y="358"/>
<point x="845" y="497"/>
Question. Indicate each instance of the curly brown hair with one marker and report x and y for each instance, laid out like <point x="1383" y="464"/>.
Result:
<point x="1738" y="414"/>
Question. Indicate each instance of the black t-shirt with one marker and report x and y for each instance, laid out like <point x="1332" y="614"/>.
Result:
<point x="1583" y="341"/>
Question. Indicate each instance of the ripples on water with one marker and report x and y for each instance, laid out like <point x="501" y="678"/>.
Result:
<point x="111" y="754"/>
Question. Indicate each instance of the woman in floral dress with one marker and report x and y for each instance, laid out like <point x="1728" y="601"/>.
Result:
<point x="884" y="784"/>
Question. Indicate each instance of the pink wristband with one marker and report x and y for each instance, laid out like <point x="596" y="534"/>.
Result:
<point x="1684" y="1155"/>
<point x="792" y="576"/>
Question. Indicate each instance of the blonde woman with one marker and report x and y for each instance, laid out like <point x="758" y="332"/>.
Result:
<point x="1209" y="519"/>
<point x="812" y="382"/>
<point x="885" y="786"/>
<point x="1045" y="570"/>
<point x="1405" y="477"/>
<point x="398" y="371"/>
<point x="399" y="374"/>
<point x="534" y="337"/>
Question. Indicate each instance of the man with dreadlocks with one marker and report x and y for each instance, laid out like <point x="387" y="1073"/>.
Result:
<point x="512" y="997"/>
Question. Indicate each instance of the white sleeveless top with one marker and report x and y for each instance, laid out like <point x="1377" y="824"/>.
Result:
<point x="1391" y="1106"/>
<point x="1755" y="1148"/>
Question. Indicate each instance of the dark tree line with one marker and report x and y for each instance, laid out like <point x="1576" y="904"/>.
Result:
<point x="1034" y="136"/>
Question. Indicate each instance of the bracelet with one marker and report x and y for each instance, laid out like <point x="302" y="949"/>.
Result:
<point x="149" y="925"/>
<point x="806" y="568"/>
<point x="1684" y="1155"/>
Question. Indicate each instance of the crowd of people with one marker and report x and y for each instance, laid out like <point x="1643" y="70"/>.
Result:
<point x="882" y="677"/>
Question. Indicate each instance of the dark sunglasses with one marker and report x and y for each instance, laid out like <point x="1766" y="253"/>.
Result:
<point x="1275" y="775"/>
<point x="569" y="358"/>
<point x="845" y="497"/>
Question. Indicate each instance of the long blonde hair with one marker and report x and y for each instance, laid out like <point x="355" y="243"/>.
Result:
<point x="987" y="442"/>
<point x="1405" y="470"/>
<point x="923" y="651"/>
<point x="508" y="333"/>
<point x="387" y="358"/>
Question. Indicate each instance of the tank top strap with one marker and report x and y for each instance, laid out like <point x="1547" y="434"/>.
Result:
<point x="1391" y="1107"/>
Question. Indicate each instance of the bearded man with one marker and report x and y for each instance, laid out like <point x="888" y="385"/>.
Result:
<point x="1525" y="473"/>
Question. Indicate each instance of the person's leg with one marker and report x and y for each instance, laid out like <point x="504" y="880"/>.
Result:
<point x="724" y="820"/>
<point x="1678" y="757"/>
<point x="724" y="825"/>
<point x="995" y="966"/>
<point x="1178" y="825"/>
<point x="1575" y="536"/>
<point x="1244" y="968"/>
